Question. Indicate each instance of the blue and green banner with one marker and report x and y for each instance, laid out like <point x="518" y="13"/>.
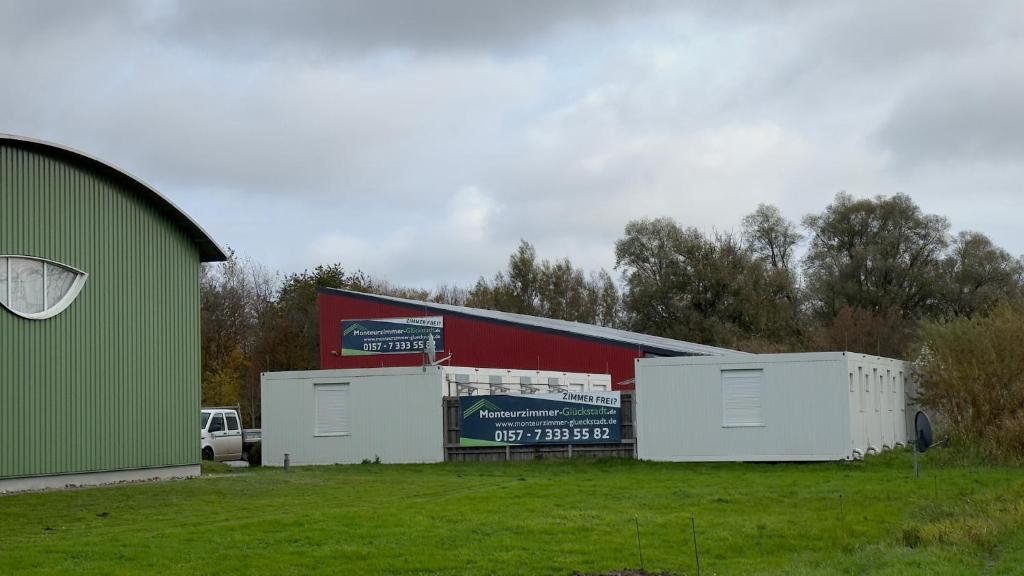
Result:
<point x="557" y="418"/>
<point x="391" y="335"/>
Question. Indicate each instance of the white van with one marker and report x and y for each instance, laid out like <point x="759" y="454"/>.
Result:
<point x="221" y="436"/>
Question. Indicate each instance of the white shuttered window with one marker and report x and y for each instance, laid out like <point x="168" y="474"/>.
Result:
<point x="742" y="392"/>
<point x="331" y="409"/>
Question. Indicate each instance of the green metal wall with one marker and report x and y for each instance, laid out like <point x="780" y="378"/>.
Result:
<point x="113" y="382"/>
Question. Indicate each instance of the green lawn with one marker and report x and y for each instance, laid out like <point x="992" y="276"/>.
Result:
<point x="532" y="518"/>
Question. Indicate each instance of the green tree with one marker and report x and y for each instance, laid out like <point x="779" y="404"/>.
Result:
<point x="979" y="275"/>
<point x="549" y="289"/>
<point x="773" y="240"/>
<point x="292" y="335"/>
<point x="450" y="294"/>
<point x="713" y="289"/>
<point x="771" y="237"/>
<point x="235" y="297"/>
<point x="224" y="381"/>
<point x="251" y="325"/>
<point x="516" y="289"/>
<point x="565" y="293"/>
<point x="649" y="256"/>
<point x="609" y="300"/>
<point x="877" y="254"/>
<point x="523" y="286"/>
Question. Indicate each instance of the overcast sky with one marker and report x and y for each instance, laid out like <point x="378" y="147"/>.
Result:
<point x="419" y="141"/>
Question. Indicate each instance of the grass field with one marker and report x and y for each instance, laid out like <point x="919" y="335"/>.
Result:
<point x="532" y="518"/>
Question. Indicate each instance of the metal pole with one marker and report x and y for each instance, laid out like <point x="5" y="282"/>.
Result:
<point x="842" y="518"/>
<point x="696" y="553"/>
<point x="917" y="471"/>
<point x="638" y="547"/>
<point x="285" y="461"/>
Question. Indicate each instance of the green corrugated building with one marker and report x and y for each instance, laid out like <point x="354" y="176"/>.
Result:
<point x="99" y="322"/>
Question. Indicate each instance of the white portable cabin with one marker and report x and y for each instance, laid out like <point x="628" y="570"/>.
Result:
<point x="464" y="381"/>
<point x="770" y="407"/>
<point x="391" y="414"/>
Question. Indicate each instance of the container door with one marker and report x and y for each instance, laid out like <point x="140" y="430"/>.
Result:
<point x="233" y="435"/>
<point x="217" y="432"/>
<point x="864" y="439"/>
<point x="901" y="405"/>
<point x="869" y="430"/>
<point x="890" y="405"/>
<point x="852" y="400"/>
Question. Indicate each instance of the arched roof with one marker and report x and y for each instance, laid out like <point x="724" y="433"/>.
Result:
<point x="209" y="250"/>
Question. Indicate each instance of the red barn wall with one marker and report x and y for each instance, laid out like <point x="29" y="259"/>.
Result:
<point x="475" y="342"/>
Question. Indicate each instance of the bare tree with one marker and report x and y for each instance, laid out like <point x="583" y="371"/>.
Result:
<point x="771" y="237"/>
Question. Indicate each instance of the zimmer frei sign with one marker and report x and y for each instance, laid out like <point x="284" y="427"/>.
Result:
<point x="390" y="335"/>
<point x="558" y="418"/>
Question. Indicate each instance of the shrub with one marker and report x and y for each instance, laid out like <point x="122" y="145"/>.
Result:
<point x="888" y="333"/>
<point x="911" y="536"/>
<point x="971" y="375"/>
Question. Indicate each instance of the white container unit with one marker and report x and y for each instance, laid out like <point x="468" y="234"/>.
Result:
<point x="347" y="416"/>
<point x="770" y="407"/>
<point x="879" y="395"/>
<point x="394" y="414"/>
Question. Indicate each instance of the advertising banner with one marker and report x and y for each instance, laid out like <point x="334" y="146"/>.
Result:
<point x="390" y="335"/>
<point x="558" y="418"/>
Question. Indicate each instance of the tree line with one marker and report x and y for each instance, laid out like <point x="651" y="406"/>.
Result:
<point x="860" y="275"/>
<point x="872" y="270"/>
<point x="255" y="321"/>
<point x="863" y="274"/>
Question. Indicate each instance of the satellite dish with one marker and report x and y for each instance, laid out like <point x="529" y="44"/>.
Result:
<point x="923" y="432"/>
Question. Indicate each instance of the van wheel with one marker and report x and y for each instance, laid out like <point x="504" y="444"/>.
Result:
<point x="207" y="453"/>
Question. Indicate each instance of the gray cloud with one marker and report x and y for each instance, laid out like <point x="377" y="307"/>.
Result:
<point x="420" y="141"/>
<point x="331" y="27"/>
<point x="25" y="22"/>
<point x="882" y="36"/>
<point x="969" y="112"/>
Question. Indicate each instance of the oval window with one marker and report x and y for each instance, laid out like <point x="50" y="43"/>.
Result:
<point x="36" y="288"/>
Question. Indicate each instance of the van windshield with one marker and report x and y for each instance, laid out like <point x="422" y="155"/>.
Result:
<point x="205" y="419"/>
